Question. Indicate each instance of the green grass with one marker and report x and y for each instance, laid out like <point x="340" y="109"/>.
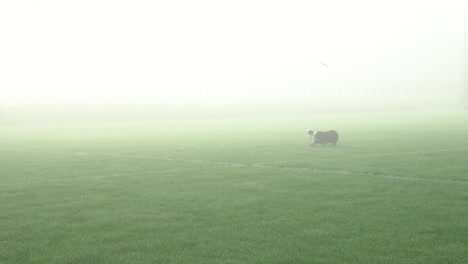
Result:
<point x="237" y="190"/>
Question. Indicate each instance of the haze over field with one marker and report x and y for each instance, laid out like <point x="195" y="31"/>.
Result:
<point x="232" y="52"/>
<point x="177" y="131"/>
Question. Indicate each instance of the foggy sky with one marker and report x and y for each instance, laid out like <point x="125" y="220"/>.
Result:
<point x="253" y="51"/>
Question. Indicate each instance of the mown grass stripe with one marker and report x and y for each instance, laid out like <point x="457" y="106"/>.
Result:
<point x="88" y="177"/>
<point x="258" y="165"/>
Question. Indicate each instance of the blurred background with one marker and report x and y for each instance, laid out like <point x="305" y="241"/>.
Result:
<point x="334" y="53"/>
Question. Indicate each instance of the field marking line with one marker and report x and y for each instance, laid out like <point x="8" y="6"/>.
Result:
<point x="373" y="174"/>
<point x="375" y="155"/>
<point x="314" y="170"/>
<point x="88" y="177"/>
<point x="259" y="165"/>
<point x="408" y="153"/>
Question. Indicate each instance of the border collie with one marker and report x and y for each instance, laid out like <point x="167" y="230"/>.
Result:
<point x="323" y="137"/>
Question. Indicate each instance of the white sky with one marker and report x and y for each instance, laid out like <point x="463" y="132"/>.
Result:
<point x="243" y="51"/>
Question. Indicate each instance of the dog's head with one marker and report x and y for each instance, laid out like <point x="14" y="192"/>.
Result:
<point x="311" y="133"/>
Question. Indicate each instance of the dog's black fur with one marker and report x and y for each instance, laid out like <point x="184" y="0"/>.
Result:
<point x="323" y="137"/>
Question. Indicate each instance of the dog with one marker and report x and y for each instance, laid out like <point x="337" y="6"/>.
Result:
<point x="323" y="137"/>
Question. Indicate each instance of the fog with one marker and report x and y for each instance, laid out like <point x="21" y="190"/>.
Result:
<point x="400" y="53"/>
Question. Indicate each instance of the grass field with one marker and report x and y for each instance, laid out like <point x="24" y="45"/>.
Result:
<point x="241" y="189"/>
